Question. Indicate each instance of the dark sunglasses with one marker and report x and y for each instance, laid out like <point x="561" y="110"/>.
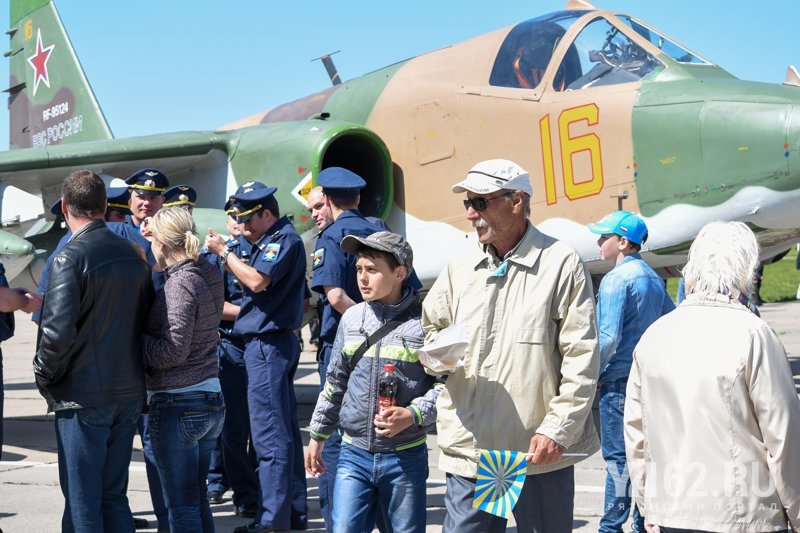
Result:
<point x="479" y="204"/>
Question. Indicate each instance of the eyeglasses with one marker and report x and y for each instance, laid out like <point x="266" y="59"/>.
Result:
<point x="479" y="204"/>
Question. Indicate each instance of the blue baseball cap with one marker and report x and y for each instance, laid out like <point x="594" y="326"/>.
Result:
<point x="622" y="223"/>
<point x="340" y="179"/>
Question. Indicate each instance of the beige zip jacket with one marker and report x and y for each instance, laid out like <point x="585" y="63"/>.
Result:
<point x="712" y="422"/>
<point x="533" y="360"/>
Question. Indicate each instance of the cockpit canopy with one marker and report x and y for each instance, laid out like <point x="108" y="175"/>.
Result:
<point x="600" y="54"/>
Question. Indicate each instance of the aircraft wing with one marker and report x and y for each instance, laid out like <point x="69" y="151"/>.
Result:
<point x="177" y="154"/>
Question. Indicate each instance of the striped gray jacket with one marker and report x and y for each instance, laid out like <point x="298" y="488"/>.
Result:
<point x="350" y="396"/>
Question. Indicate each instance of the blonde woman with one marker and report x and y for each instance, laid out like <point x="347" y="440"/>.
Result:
<point x="186" y="406"/>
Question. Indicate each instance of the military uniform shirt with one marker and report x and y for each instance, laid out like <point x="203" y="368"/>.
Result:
<point x="233" y="289"/>
<point x="332" y="267"/>
<point x="279" y="254"/>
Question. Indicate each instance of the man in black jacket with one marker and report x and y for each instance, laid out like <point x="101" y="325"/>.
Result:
<point x="88" y="361"/>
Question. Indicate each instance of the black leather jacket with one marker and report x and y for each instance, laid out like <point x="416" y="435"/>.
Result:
<point x="89" y="347"/>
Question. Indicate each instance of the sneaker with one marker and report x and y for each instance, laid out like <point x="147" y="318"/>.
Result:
<point x="248" y="510"/>
<point x="216" y="496"/>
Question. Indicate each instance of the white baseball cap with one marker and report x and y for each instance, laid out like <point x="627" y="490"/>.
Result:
<point x="493" y="175"/>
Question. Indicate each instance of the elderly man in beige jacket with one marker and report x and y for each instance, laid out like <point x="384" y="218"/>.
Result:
<point x="712" y="419"/>
<point x="530" y="372"/>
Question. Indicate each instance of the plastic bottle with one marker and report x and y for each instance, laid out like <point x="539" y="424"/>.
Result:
<point x="387" y="388"/>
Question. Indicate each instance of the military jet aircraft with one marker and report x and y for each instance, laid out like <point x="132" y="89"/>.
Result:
<point x="603" y="110"/>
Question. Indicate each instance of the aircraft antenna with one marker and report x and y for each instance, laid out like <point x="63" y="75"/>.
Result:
<point x="333" y="74"/>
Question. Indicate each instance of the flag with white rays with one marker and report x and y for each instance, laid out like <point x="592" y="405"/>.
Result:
<point x="501" y="475"/>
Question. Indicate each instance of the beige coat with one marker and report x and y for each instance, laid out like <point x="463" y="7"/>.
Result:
<point x="533" y="361"/>
<point x="712" y="422"/>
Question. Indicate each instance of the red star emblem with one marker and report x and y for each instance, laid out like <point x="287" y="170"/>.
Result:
<point x="38" y="62"/>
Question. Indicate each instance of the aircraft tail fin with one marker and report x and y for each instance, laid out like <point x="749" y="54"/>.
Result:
<point x="50" y="100"/>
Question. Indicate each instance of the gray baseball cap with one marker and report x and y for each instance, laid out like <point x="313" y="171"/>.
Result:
<point x="385" y="241"/>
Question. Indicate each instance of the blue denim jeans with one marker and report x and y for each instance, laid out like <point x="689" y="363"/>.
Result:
<point x="94" y="452"/>
<point x="612" y="443"/>
<point x="330" y="453"/>
<point x="395" y="479"/>
<point x="184" y="428"/>
<point x="153" y="481"/>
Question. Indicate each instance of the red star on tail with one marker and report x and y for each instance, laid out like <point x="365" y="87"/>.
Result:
<point x="38" y="62"/>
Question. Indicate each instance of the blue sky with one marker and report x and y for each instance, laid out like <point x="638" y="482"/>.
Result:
<point x="176" y="65"/>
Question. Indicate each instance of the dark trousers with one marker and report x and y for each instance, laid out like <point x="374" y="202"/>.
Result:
<point x="153" y="479"/>
<point x="544" y="506"/>
<point x="94" y="452"/>
<point x="233" y="463"/>
<point x="271" y="365"/>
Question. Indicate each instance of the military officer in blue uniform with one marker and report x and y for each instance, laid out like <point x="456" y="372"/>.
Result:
<point x="147" y="194"/>
<point x="180" y="195"/>
<point x="233" y="463"/>
<point x="273" y="281"/>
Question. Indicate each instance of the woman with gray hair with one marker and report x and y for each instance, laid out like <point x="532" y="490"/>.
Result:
<point x="181" y="367"/>
<point x="711" y="405"/>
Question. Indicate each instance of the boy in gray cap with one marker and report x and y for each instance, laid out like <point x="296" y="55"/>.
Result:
<point x="378" y="335"/>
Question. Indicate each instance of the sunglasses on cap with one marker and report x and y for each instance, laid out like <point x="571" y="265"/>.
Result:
<point x="479" y="204"/>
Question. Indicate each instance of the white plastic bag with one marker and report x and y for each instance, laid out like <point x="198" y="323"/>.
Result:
<point x="446" y="353"/>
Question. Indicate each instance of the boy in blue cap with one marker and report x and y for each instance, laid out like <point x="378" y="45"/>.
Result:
<point x="271" y="308"/>
<point x="631" y="297"/>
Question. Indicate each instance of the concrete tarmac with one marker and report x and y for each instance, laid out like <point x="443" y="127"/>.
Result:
<point x="31" y="500"/>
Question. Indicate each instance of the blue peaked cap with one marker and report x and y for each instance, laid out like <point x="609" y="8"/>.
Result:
<point x="338" y="178"/>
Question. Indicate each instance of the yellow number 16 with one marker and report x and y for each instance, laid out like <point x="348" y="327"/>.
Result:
<point x="570" y="146"/>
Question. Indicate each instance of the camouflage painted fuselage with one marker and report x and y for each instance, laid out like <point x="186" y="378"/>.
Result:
<point x="685" y="144"/>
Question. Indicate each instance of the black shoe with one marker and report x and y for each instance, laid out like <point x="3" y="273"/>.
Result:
<point x="255" y="527"/>
<point x="248" y="510"/>
<point x="140" y="523"/>
<point x="216" y="496"/>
